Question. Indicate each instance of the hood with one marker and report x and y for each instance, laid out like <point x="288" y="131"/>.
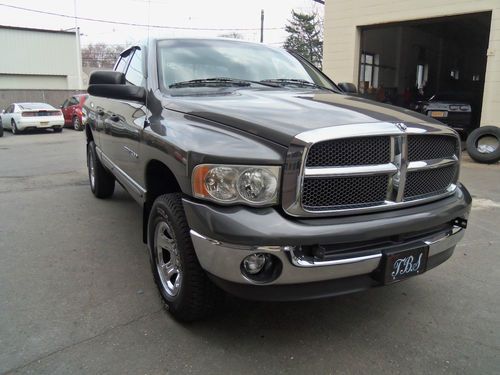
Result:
<point x="279" y="115"/>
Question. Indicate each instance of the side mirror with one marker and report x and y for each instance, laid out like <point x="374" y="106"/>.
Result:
<point x="123" y="92"/>
<point x="348" y="88"/>
<point x="111" y="84"/>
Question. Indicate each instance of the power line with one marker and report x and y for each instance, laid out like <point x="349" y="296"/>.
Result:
<point x="133" y="24"/>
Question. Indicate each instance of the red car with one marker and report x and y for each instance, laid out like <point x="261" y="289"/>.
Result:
<point x="73" y="112"/>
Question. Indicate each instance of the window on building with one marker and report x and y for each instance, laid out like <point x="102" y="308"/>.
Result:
<point x="369" y="71"/>
<point x="455" y="74"/>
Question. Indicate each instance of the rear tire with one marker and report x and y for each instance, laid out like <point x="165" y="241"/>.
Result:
<point x="102" y="182"/>
<point x="1" y="128"/>
<point x="58" y="130"/>
<point x="484" y="153"/>
<point x="183" y="285"/>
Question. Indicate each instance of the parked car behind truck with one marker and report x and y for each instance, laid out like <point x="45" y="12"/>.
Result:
<point x="19" y="117"/>
<point x="258" y="177"/>
<point x="74" y="114"/>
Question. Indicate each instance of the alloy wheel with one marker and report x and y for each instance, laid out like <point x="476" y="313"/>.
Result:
<point x="168" y="261"/>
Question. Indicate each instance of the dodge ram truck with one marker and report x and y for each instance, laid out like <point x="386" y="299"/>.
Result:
<point x="258" y="177"/>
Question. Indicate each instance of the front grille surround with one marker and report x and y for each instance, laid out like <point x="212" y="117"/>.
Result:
<point x="327" y="194"/>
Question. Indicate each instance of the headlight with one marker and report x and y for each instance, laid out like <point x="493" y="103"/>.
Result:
<point x="227" y="184"/>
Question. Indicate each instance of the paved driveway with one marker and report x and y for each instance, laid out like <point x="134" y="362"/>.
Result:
<point x="77" y="296"/>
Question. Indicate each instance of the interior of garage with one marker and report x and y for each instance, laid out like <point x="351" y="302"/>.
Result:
<point x="409" y="62"/>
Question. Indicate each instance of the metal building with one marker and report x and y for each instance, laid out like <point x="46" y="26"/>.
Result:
<point x="35" y="59"/>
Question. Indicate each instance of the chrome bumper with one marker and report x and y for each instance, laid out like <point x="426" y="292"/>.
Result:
<point x="223" y="260"/>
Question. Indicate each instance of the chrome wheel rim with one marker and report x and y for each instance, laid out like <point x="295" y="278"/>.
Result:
<point x="168" y="262"/>
<point x="13" y="125"/>
<point x="487" y="144"/>
<point x="91" y="169"/>
<point x="76" y="124"/>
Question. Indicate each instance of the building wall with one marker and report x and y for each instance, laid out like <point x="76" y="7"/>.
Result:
<point x="342" y="37"/>
<point x="38" y="59"/>
<point x="53" y="97"/>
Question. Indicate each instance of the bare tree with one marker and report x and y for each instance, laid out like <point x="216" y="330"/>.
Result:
<point x="233" y="35"/>
<point x="100" y="55"/>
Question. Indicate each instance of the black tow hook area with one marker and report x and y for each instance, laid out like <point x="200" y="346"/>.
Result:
<point x="460" y="222"/>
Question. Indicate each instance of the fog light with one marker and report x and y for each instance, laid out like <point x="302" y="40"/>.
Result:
<point x="254" y="263"/>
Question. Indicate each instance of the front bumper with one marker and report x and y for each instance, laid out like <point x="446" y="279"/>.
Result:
<point x="224" y="236"/>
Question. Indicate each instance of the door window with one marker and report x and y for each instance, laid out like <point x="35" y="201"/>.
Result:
<point x="74" y="101"/>
<point x="135" y="74"/>
<point x="65" y="104"/>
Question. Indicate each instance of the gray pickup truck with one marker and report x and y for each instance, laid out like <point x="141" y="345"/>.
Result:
<point x="258" y="177"/>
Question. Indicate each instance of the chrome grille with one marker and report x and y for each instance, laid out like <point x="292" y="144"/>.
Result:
<point x="344" y="192"/>
<point x="350" y="151"/>
<point x="423" y="147"/>
<point x="368" y="167"/>
<point x="420" y="184"/>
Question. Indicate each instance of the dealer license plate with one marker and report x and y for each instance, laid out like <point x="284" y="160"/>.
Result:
<point x="400" y="265"/>
<point x="439" y="114"/>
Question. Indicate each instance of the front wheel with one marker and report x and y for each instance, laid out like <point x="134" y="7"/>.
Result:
<point x="13" y="127"/>
<point x="184" y="287"/>
<point x="77" y="124"/>
<point x="102" y="182"/>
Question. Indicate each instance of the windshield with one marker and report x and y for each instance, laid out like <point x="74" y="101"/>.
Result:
<point x="450" y="96"/>
<point x="186" y="60"/>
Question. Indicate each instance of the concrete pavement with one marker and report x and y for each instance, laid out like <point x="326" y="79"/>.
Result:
<point x="77" y="295"/>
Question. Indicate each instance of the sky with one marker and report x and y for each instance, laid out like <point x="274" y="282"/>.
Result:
<point x="209" y="14"/>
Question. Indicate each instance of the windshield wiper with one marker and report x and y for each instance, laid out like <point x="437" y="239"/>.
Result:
<point x="219" y="81"/>
<point x="296" y="82"/>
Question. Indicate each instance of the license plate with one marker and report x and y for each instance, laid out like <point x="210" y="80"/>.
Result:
<point x="400" y="265"/>
<point x="43" y="123"/>
<point x="439" y="114"/>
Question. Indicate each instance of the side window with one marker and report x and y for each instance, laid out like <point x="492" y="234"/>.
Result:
<point x="73" y="101"/>
<point x="121" y="65"/>
<point x="11" y="108"/>
<point x="65" y="104"/>
<point x="135" y="74"/>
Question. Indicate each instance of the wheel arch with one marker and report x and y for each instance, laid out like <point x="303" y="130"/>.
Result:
<point x="159" y="180"/>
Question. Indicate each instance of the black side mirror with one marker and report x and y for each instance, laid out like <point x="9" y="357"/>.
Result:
<point x="347" y="87"/>
<point x="111" y="84"/>
<point x="123" y="92"/>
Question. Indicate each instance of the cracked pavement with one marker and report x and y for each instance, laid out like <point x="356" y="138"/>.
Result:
<point x="77" y="295"/>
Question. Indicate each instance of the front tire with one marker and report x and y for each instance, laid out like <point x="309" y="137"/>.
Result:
<point x="13" y="127"/>
<point x="102" y="182"/>
<point x="77" y="124"/>
<point x="184" y="287"/>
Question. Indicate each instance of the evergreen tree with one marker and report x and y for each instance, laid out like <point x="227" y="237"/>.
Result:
<point x="305" y="36"/>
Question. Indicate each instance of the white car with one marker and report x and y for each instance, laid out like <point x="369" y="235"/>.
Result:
<point x="22" y="116"/>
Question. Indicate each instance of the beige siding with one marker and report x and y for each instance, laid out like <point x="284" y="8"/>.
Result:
<point x="342" y="36"/>
<point x="44" y="57"/>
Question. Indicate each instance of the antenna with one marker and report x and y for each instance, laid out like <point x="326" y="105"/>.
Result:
<point x="146" y="121"/>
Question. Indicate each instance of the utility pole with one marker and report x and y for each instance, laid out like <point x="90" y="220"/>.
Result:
<point x="78" y="51"/>
<point x="262" y="26"/>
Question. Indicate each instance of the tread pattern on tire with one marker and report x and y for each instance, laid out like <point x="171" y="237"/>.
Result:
<point x="199" y="297"/>
<point x="472" y="139"/>
<point x="104" y="180"/>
